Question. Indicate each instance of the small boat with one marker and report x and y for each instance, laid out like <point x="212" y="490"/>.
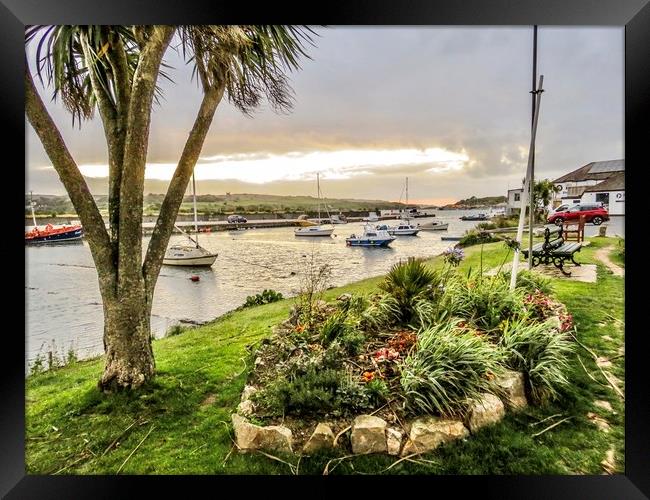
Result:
<point x="433" y="226"/>
<point x="189" y="254"/>
<point x="338" y="219"/>
<point x="51" y="234"/>
<point x="370" y="238"/>
<point x="372" y="217"/>
<point x="317" y="230"/>
<point x="403" y="229"/>
<point x="475" y="217"/>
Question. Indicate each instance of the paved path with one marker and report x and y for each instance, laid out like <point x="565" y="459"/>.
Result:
<point x="603" y="255"/>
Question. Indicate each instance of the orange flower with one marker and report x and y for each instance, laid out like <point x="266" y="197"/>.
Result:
<point x="300" y="328"/>
<point x="368" y="376"/>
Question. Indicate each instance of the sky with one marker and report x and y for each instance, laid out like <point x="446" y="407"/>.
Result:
<point x="447" y="107"/>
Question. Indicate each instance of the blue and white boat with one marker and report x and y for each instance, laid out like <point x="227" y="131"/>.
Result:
<point x="371" y="237"/>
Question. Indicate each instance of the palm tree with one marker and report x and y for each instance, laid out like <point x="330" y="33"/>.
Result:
<point x="543" y="193"/>
<point x="115" y="69"/>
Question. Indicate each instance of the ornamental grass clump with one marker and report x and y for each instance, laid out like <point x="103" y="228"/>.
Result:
<point x="450" y="366"/>
<point x="484" y="300"/>
<point x="540" y="351"/>
<point x="408" y="282"/>
<point x="530" y="282"/>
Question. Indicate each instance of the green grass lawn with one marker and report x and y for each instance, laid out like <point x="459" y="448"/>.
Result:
<point x="180" y="424"/>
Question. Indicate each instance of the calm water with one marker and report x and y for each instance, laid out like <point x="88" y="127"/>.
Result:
<point x="64" y="308"/>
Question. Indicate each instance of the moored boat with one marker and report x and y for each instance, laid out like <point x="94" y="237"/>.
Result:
<point x="370" y="238"/>
<point x="188" y="255"/>
<point x="402" y="229"/>
<point x="433" y="226"/>
<point x="317" y="230"/>
<point x="480" y="216"/>
<point x="52" y="234"/>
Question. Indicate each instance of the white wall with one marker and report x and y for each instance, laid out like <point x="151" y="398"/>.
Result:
<point x="616" y="201"/>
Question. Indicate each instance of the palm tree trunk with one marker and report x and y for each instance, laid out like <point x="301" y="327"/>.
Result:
<point x="129" y="359"/>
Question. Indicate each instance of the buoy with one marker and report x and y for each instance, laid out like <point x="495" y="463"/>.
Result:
<point x="195" y="278"/>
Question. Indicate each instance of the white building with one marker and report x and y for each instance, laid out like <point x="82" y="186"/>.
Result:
<point x="600" y="181"/>
<point x="514" y="200"/>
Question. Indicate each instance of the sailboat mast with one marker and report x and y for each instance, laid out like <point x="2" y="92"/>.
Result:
<point x="196" y="224"/>
<point x="318" y="189"/>
<point x="31" y="205"/>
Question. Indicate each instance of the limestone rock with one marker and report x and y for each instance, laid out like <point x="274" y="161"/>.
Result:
<point x="322" y="438"/>
<point x="393" y="440"/>
<point x="245" y="408"/>
<point x="254" y="437"/>
<point x="427" y="433"/>
<point x="513" y="385"/>
<point x="486" y="411"/>
<point x="248" y="391"/>
<point x="368" y="435"/>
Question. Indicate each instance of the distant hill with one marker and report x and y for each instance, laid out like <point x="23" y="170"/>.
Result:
<point x="213" y="204"/>
<point x="479" y="202"/>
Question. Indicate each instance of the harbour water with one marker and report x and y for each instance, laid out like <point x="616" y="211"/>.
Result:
<point x="63" y="304"/>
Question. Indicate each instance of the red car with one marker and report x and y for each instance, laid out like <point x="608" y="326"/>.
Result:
<point x="593" y="212"/>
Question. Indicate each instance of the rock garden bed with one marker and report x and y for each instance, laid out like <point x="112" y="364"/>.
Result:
<point x="433" y="356"/>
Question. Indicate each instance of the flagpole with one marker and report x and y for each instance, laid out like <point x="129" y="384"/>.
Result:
<point x="525" y="191"/>
<point x="532" y="153"/>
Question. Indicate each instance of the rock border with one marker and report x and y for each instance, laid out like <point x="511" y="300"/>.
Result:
<point x="371" y="434"/>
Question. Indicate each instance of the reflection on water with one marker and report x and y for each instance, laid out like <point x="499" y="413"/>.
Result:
<point x="64" y="305"/>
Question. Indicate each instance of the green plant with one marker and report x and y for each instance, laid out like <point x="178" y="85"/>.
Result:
<point x="378" y="391"/>
<point x="174" y="330"/>
<point x="407" y="282"/>
<point x="540" y="351"/>
<point x="352" y="341"/>
<point x="484" y="300"/>
<point x="383" y="311"/>
<point x="530" y="281"/>
<point x="621" y="250"/>
<point x="266" y="297"/>
<point x="476" y="237"/>
<point x="333" y="327"/>
<point x="449" y="367"/>
<point x="38" y="365"/>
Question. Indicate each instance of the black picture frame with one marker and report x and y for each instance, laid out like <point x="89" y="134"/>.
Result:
<point x="634" y="15"/>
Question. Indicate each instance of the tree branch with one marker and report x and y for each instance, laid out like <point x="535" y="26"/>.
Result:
<point x="74" y="183"/>
<point x="171" y="204"/>
<point x="135" y="155"/>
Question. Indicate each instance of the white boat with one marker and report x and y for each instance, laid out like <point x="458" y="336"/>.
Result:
<point x="371" y="237"/>
<point x="402" y="229"/>
<point x="433" y="226"/>
<point x="372" y="217"/>
<point x="338" y="219"/>
<point x="318" y="230"/>
<point x="189" y="254"/>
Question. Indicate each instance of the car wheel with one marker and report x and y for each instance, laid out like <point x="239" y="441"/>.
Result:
<point x="597" y="220"/>
<point x="558" y="221"/>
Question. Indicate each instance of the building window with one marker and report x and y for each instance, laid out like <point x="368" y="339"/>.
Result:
<point x="517" y="196"/>
<point x="603" y="198"/>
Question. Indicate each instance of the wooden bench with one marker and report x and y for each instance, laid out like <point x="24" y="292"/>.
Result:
<point x="554" y="249"/>
<point x="574" y="230"/>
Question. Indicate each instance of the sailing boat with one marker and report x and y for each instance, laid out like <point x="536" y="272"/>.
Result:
<point x="188" y="254"/>
<point x="403" y="228"/>
<point x="51" y="234"/>
<point x="318" y="230"/>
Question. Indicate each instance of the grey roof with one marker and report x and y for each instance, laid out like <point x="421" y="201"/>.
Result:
<point x="614" y="183"/>
<point x="587" y="172"/>
<point x="607" y="166"/>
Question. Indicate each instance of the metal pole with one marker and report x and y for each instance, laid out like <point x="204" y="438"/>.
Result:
<point x="525" y="191"/>
<point x="196" y="224"/>
<point x="532" y="154"/>
<point x="31" y="205"/>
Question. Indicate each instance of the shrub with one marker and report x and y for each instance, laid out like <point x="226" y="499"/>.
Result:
<point x="174" y="330"/>
<point x="333" y="327"/>
<point x="484" y="300"/>
<point x="540" y="351"/>
<point x="383" y="311"/>
<point x="476" y="237"/>
<point x="266" y="297"/>
<point x="407" y="282"/>
<point x="449" y="367"/>
<point x="621" y="249"/>
<point x="378" y="391"/>
<point x="314" y="392"/>
<point x="530" y="282"/>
